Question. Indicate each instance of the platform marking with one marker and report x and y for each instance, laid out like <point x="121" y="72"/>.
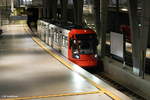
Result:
<point x="105" y="91"/>
<point x="114" y="97"/>
<point x="17" y="49"/>
<point x="54" y="95"/>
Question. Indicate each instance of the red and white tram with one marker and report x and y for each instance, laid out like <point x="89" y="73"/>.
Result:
<point x="76" y="43"/>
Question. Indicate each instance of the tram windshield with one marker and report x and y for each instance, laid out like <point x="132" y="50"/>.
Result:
<point x="87" y="43"/>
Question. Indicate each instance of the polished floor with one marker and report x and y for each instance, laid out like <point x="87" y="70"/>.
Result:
<point x="28" y="72"/>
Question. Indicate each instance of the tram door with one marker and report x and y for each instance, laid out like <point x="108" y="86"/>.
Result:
<point x="51" y="36"/>
<point x="47" y="33"/>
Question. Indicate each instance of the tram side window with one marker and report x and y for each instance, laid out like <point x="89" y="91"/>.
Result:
<point x="49" y="30"/>
<point x="57" y="37"/>
<point x="65" y="41"/>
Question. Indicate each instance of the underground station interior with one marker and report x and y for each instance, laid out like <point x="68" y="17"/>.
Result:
<point x="74" y="50"/>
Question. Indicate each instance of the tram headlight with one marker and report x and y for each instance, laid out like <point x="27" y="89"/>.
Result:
<point x="74" y="41"/>
<point x="96" y="56"/>
<point x="77" y="56"/>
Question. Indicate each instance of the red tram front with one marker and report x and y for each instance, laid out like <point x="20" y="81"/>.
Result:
<point x="82" y="47"/>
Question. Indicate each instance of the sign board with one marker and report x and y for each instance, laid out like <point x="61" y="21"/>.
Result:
<point x="116" y="44"/>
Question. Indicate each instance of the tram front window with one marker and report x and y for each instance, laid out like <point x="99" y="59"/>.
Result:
<point x="86" y="47"/>
<point x="87" y="43"/>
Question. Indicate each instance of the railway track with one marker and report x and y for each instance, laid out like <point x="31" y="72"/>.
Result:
<point x="128" y="59"/>
<point x="119" y="87"/>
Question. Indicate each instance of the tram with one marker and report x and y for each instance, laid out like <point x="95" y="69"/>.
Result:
<point x="76" y="43"/>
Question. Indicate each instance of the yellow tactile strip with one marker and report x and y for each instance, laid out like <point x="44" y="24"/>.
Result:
<point x="16" y="49"/>
<point x="54" y="95"/>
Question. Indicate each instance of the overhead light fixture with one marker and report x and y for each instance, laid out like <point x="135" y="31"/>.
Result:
<point x="124" y="9"/>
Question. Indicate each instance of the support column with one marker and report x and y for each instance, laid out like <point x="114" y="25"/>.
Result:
<point x="103" y="30"/>
<point x="44" y="9"/>
<point x="54" y="9"/>
<point x="48" y="4"/>
<point x="12" y="6"/>
<point x="96" y="7"/>
<point x="64" y="5"/>
<point x="97" y="20"/>
<point x="40" y="12"/>
<point x="117" y="27"/>
<point x="135" y="36"/>
<point x="145" y="30"/>
<point x="78" y="11"/>
<point x="138" y="53"/>
<point x="49" y="9"/>
<point x="75" y="10"/>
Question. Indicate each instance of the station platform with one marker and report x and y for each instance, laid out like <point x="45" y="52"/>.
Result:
<point x="30" y="70"/>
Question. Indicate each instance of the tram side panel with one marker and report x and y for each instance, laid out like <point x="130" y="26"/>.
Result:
<point x="47" y="33"/>
<point x="56" y="40"/>
<point x="65" y="43"/>
<point x="59" y="39"/>
<point x="39" y="29"/>
<point x="51" y="36"/>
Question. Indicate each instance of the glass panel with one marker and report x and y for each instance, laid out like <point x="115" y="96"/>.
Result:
<point x="86" y="43"/>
